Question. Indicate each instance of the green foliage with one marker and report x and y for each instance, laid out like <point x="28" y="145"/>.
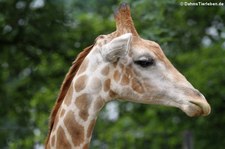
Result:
<point x="39" y="42"/>
<point x="207" y="67"/>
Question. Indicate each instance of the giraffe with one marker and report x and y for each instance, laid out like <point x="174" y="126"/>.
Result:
<point x="120" y="65"/>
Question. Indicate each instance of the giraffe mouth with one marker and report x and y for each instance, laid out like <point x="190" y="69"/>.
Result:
<point x="197" y="108"/>
<point x="204" y="106"/>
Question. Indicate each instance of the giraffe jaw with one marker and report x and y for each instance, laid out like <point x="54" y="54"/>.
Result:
<point x="193" y="107"/>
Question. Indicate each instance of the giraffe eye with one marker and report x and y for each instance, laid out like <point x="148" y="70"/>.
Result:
<point x="145" y="62"/>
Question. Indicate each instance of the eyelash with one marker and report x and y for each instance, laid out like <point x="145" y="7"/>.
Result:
<point x="145" y="63"/>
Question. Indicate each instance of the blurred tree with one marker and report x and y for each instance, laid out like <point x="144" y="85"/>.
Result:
<point x="32" y="40"/>
<point x="39" y="39"/>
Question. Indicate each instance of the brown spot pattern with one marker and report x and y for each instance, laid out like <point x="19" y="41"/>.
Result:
<point x="68" y="96"/>
<point x="90" y="128"/>
<point x="136" y="86"/>
<point x="125" y="80"/>
<point x="75" y="130"/>
<point x="105" y="71"/>
<point x="99" y="104"/>
<point x="84" y="114"/>
<point x="64" y="88"/>
<point x="128" y="71"/>
<point x="83" y="103"/>
<point x="96" y="84"/>
<point x="86" y="146"/>
<point x="80" y="83"/>
<point x="62" y="142"/>
<point x="107" y="85"/>
<point x="116" y="76"/>
<point x="53" y="140"/>
<point x="112" y="94"/>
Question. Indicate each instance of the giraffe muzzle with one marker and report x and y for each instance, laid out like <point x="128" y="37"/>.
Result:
<point x="199" y="107"/>
<point x="204" y="106"/>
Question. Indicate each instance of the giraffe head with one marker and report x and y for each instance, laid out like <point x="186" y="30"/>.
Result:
<point x="140" y="72"/>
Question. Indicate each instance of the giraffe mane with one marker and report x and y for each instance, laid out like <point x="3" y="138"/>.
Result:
<point x="65" y="86"/>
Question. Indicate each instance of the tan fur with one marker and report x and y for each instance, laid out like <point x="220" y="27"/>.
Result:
<point x="62" y="142"/>
<point x="74" y="128"/>
<point x="53" y="141"/>
<point x="107" y="85"/>
<point x="136" y="86"/>
<point x="105" y="71"/>
<point x="90" y="128"/>
<point x="95" y="84"/>
<point x="83" y="103"/>
<point x="125" y="80"/>
<point x="83" y="66"/>
<point x="67" y="99"/>
<point x="99" y="103"/>
<point x="62" y="112"/>
<point x="112" y="94"/>
<point x="86" y="146"/>
<point x="80" y="83"/>
<point x="116" y="76"/>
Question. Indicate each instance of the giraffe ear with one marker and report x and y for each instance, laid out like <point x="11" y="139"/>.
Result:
<point x="116" y="48"/>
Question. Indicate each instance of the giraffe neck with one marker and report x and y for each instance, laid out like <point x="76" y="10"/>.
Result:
<point x="77" y="115"/>
<point x="75" y="120"/>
